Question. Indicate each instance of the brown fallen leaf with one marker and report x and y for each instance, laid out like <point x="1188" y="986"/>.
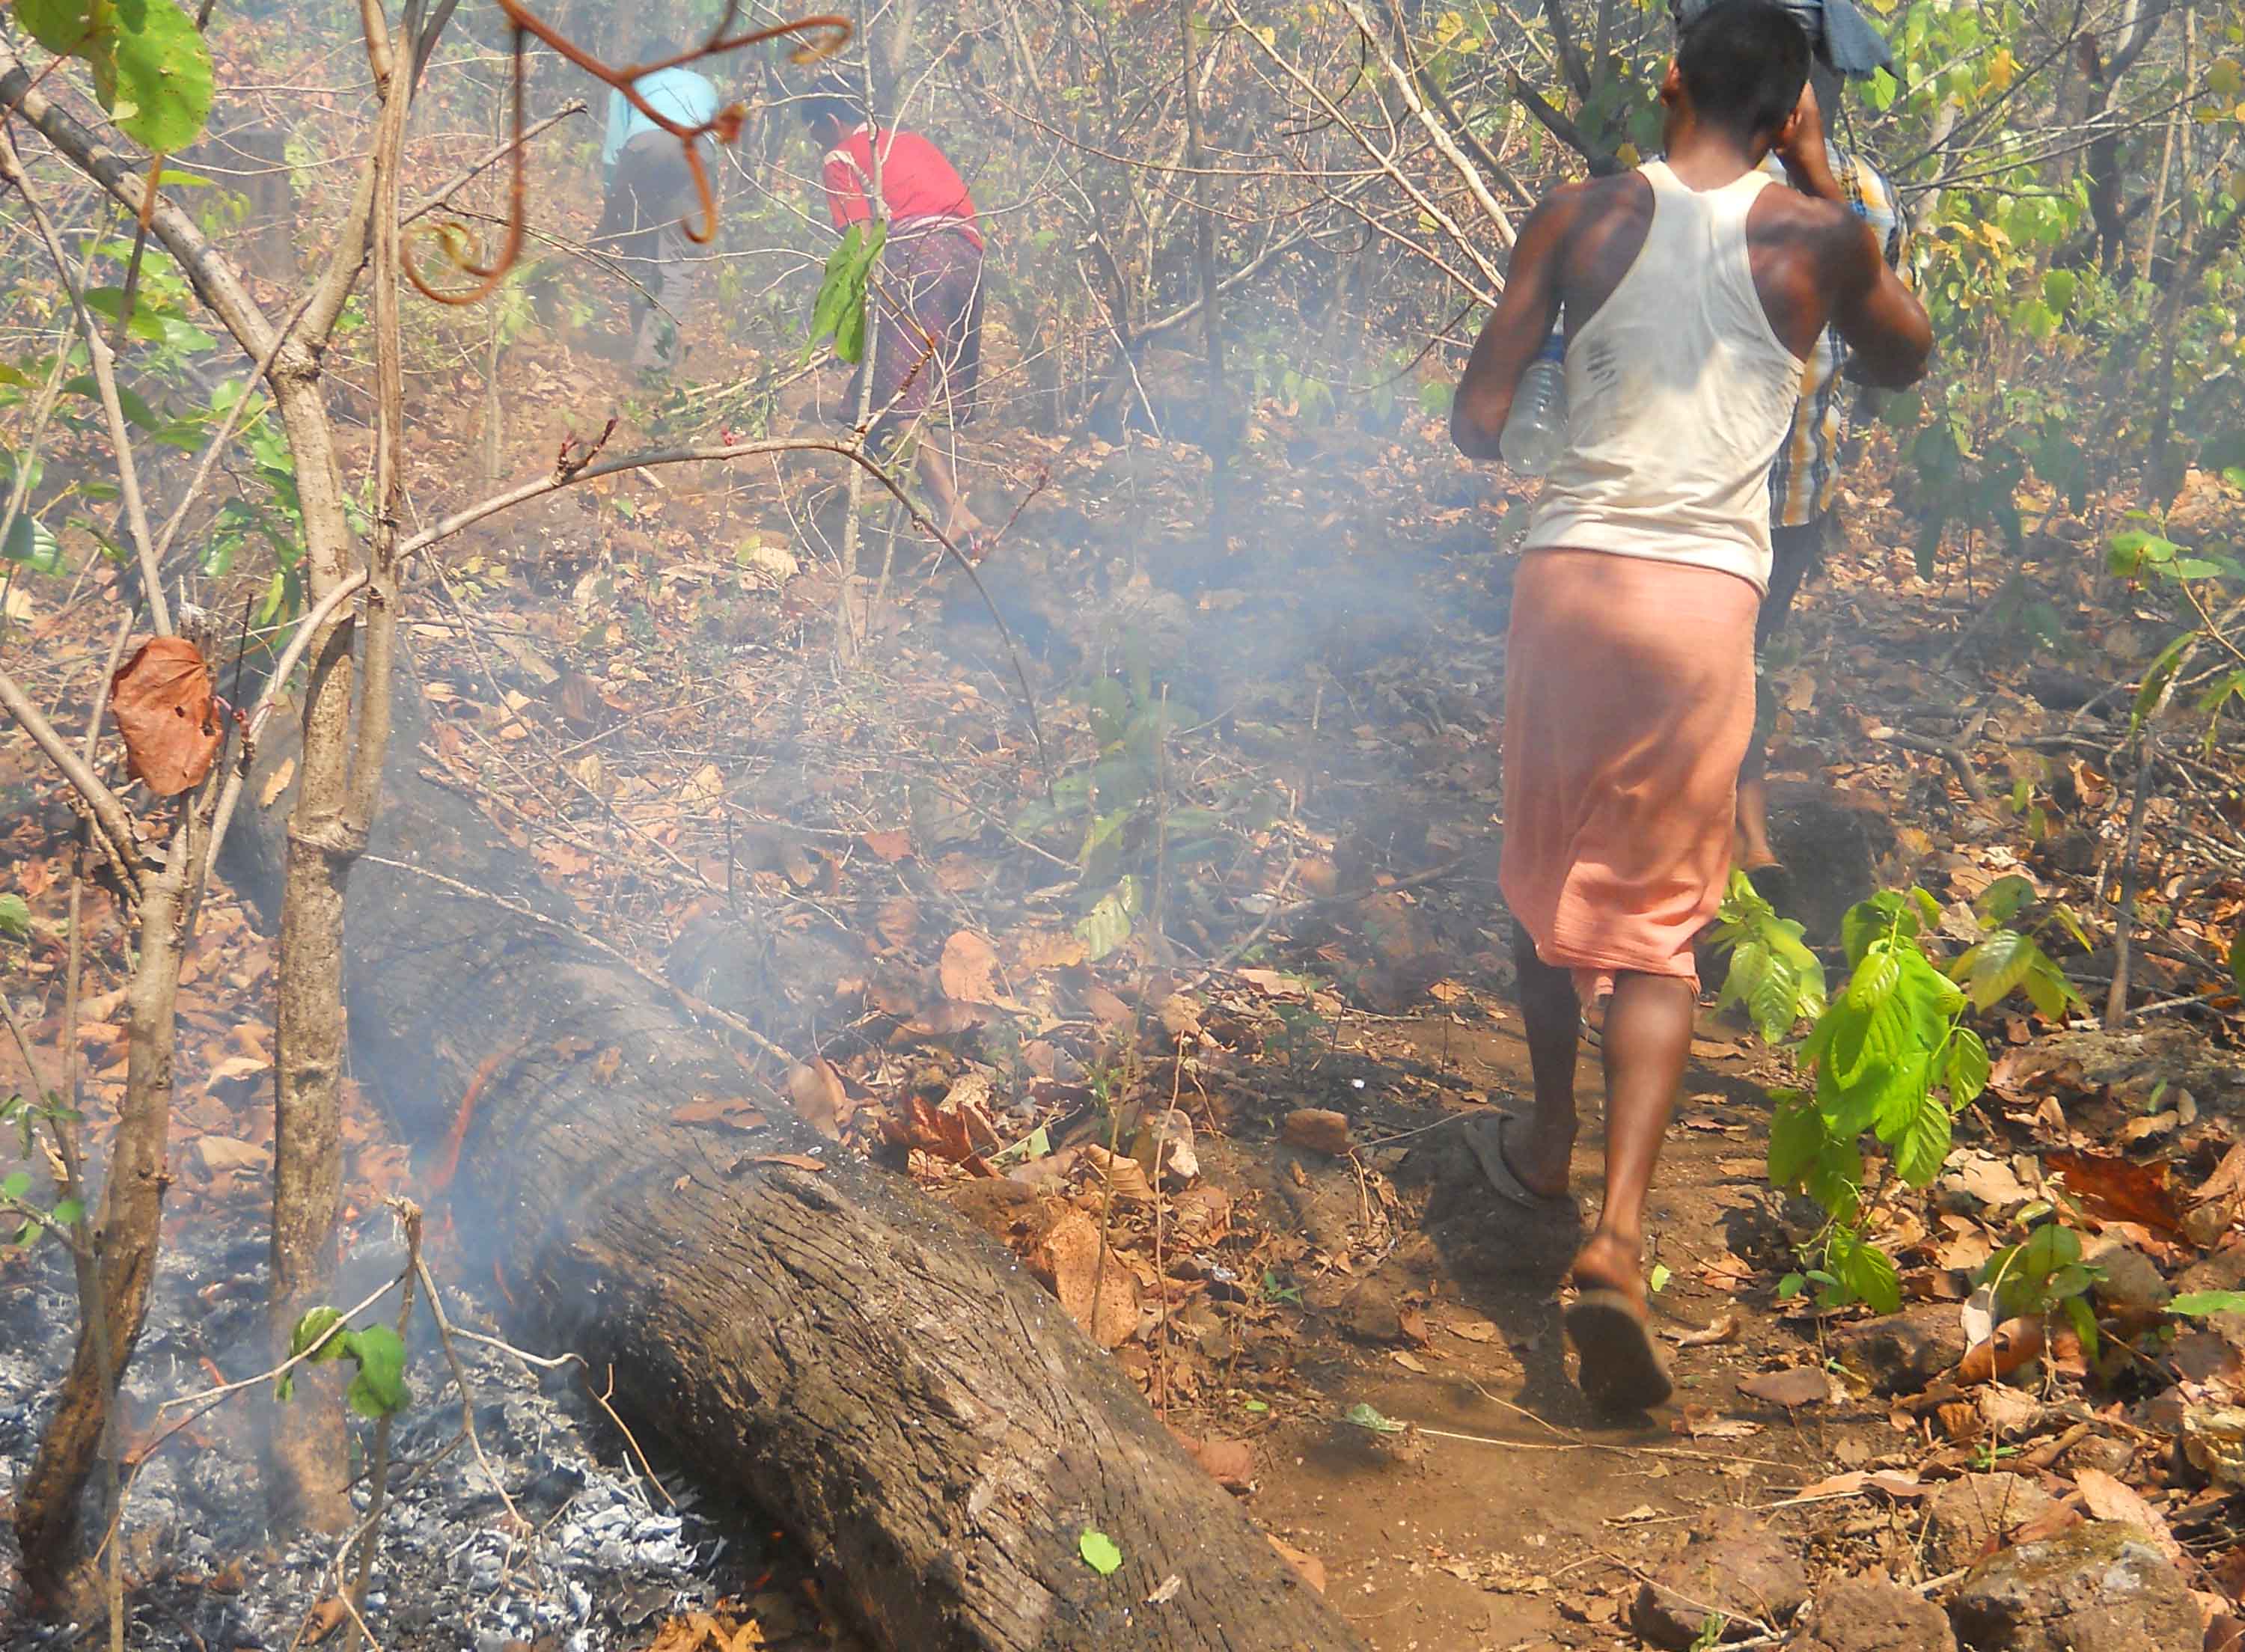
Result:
<point x="815" y="1089"/>
<point x="968" y="969"/>
<point x="1311" y="1568"/>
<point x="1316" y="1130"/>
<point x="1713" y="1334"/>
<point x="898" y="920"/>
<point x="276" y="782"/>
<point x="324" y="1620"/>
<point x="2117" y="1189"/>
<point x="889" y="846"/>
<point x="1124" y="1174"/>
<point x="1410" y="1362"/>
<point x="1230" y="1463"/>
<point x="1796" y="1386"/>
<point x="161" y="699"/>
<point x="2003" y="1351"/>
<point x="1103" y="1300"/>
<point x="792" y="1160"/>
<point x="2108" y="1499"/>
<point x="734" y="1111"/>
<point x="2227" y="1180"/>
<point x="1473" y="1330"/>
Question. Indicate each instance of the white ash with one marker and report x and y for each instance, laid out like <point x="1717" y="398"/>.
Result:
<point x="606" y="1560"/>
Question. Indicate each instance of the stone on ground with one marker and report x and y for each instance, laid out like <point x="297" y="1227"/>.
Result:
<point x="1976" y="1515"/>
<point x="1736" y="1570"/>
<point x="1868" y="1614"/>
<point x="1903" y="1353"/>
<point x="2098" y="1588"/>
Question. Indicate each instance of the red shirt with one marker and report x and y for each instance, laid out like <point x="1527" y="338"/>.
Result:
<point x="916" y="181"/>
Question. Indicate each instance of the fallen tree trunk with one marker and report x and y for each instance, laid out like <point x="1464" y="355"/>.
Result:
<point x="807" y="1329"/>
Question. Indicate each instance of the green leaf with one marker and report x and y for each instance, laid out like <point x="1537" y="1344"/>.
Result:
<point x="1866" y="1272"/>
<point x="1365" y="1416"/>
<point x="2201" y="1304"/>
<point x="15" y="1186"/>
<point x="1106" y="925"/>
<point x="2085" y="1322"/>
<point x="1967" y="1067"/>
<point x="1099" y="1553"/>
<point x="16" y="917"/>
<point x="1796" y="1136"/>
<point x="313" y="1326"/>
<point x="1923" y="1142"/>
<point x="1997" y="966"/>
<point x="379" y="1388"/>
<point x="1657" y="1279"/>
<point x="1875" y="981"/>
<point x="2004" y="900"/>
<point x="151" y="71"/>
<point x="66" y="1213"/>
<point x="1791" y="1286"/>
<point x="62" y="26"/>
<point x="33" y="543"/>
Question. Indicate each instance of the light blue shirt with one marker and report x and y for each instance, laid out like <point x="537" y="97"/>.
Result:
<point x="682" y="95"/>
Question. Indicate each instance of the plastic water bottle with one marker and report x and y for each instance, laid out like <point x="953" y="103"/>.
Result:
<point x="1535" y="431"/>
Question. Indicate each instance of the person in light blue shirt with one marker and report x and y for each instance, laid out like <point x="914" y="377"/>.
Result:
<point x="650" y="194"/>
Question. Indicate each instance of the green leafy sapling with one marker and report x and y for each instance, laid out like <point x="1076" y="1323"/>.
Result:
<point x="1889" y="1056"/>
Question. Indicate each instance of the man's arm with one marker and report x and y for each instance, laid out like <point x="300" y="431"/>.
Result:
<point x="1878" y="317"/>
<point x="1522" y="320"/>
<point x="613" y="145"/>
<point x="1881" y="319"/>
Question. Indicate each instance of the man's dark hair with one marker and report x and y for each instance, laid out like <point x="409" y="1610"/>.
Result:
<point x="830" y="98"/>
<point x="1744" y="63"/>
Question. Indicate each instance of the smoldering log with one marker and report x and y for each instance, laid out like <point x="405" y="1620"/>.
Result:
<point x="885" y="1381"/>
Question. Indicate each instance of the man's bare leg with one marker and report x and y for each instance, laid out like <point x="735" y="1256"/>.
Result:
<point x="1647" y="1041"/>
<point x="959" y="523"/>
<point x="1751" y="850"/>
<point x="1540" y="1154"/>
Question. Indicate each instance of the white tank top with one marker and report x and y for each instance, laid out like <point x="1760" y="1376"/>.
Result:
<point x="1679" y="395"/>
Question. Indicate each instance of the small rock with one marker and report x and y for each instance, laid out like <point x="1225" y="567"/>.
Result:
<point x="2007" y="1412"/>
<point x="2099" y="1451"/>
<point x="1318" y="1130"/>
<point x="2098" y="1588"/>
<point x="1738" y="1570"/>
<point x="1976" y="1515"/>
<point x="1866" y="1614"/>
<point x="2223" y="1270"/>
<point x="1371" y="1315"/>
<point x="1901" y="1353"/>
<point x="2132" y="1279"/>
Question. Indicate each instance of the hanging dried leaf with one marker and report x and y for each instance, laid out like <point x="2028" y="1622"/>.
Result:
<point x="161" y="699"/>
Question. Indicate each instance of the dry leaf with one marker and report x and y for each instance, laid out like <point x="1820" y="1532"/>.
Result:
<point x="1793" y="1388"/>
<point x="1107" y="1009"/>
<point x="815" y="1089"/>
<point x="2115" y="1189"/>
<point x="898" y="921"/>
<point x="1125" y="1175"/>
<point x="735" y="1112"/>
<point x="324" y="1620"/>
<point x="1410" y="1362"/>
<point x="1473" y="1330"/>
<point x="889" y="846"/>
<point x="2013" y="1343"/>
<point x="1230" y="1463"/>
<point x="1273" y="983"/>
<point x="792" y="1160"/>
<point x="2108" y="1499"/>
<point x="969" y="965"/>
<point x="1722" y="1329"/>
<point x="276" y="782"/>
<point x="161" y="699"/>
<point x="1311" y="1568"/>
<point x="1103" y="1301"/>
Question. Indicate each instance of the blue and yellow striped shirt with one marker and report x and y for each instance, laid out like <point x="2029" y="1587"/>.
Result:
<point x="1807" y="474"/>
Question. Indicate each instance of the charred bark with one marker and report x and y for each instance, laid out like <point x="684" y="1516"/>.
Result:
<point x="883" y="1379"/>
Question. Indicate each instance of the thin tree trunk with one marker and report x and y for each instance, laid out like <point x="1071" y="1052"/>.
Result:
<point x="1220" y="432"/>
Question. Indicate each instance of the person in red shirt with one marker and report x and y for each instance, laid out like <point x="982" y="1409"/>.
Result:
<point x="925" y="297"/>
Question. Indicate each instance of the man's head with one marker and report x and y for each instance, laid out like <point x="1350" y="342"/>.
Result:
<point x="1739" y="70"/>
<point x="1845" y="43"/>
<point x="830" y="109"/>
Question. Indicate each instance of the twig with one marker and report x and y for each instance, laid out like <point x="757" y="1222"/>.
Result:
<point x="460" y="1380"/>
<point x="1954" y="756"/>
<point x="2124" y="924"/>
<point x="409" y="1217"/>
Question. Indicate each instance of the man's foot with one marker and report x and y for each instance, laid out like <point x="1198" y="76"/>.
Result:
<point x="1617" y="1364"/>
<point x="1530" y="1176"/>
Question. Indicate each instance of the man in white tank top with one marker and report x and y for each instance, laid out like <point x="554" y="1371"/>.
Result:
<point x="1693" y="289"/>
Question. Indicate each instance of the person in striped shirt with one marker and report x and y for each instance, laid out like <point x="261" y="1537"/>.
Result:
<point x="1805" y="480"/>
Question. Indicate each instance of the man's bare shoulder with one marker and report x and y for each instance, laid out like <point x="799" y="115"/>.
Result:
<point x="1830" y="228"/>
